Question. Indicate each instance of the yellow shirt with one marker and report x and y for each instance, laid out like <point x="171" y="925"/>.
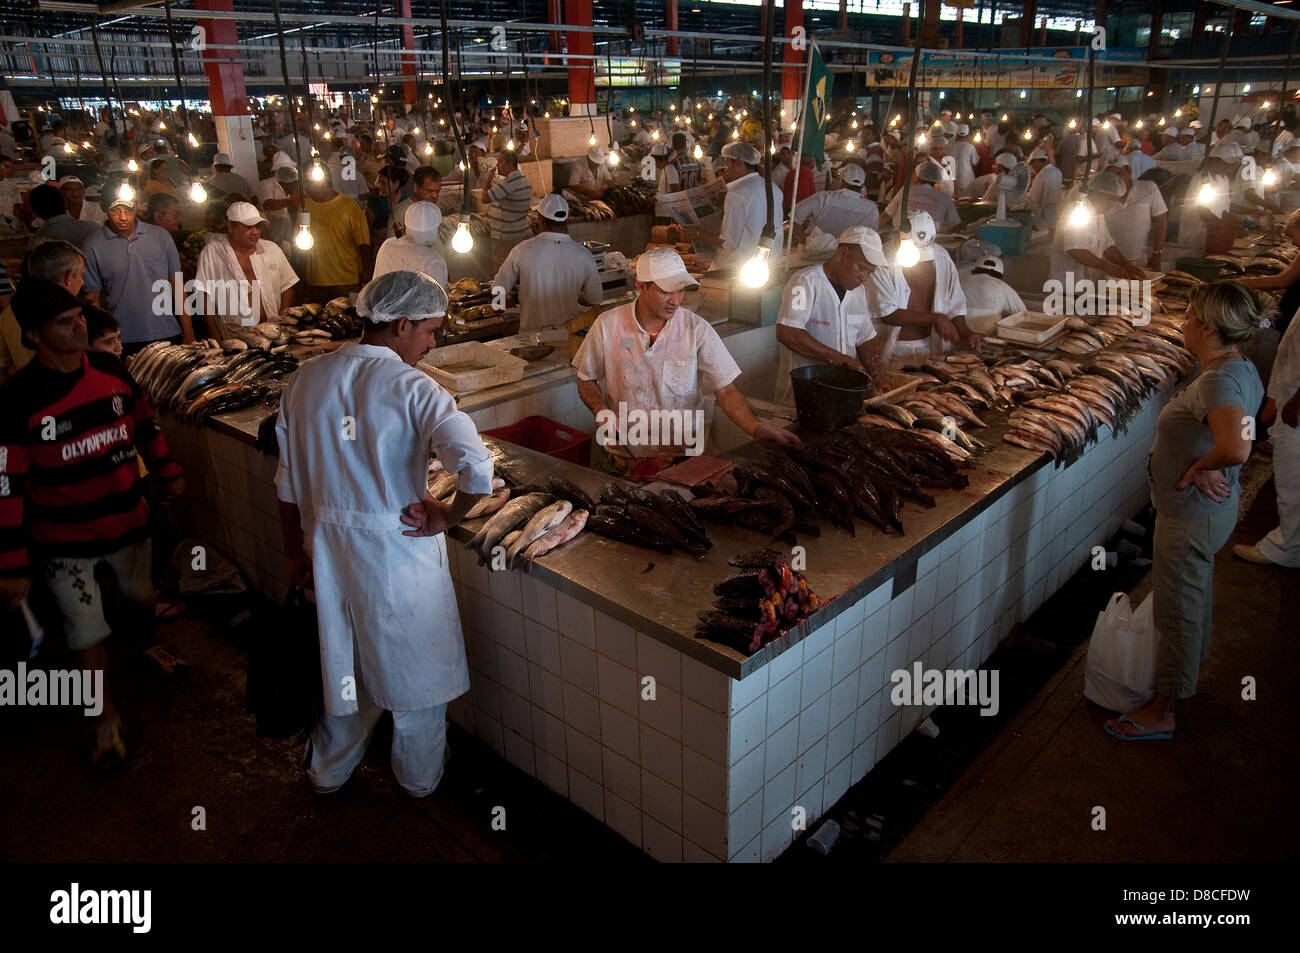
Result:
<point x="154" y="186"/>
<point x="14" y="354"/>
<point x="340" y="229"/>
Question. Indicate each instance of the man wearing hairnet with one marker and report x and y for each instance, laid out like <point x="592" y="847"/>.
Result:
<point x="1086" y="248"/>
<point x="356" y="430"/>
<point x="925" y="195"/>
<point x="744" y="211"/>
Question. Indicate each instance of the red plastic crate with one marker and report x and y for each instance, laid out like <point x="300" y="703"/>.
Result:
<point x="546" y="436"/>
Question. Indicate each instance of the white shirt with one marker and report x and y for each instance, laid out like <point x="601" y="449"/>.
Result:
<point x="1175" y="152"/>
<point x="1044" y="190"/>
<point x="1284" y="379"/>
<point x="1191" y="231"/>
<point x="91" y="212"/>
<point x="984" y="293"/>
<point x="272" y="276"/>
<point x="580" y="174"/>
<point x="949" y="299"/>
<point x="809" y="301"/>
<point x="744" y="216"/>
<point x="687" y="363"/>
<point x="966" y="159"/>
<point x="1093" y="237"/>
<point x="886" y="291"/>
<point x="556" y="278"/>
<point x="385" y="604"/>
<point x="921" y="197"/>
<point x="1140" y="163"/>
<point x="402" y="254"/>
<point x="837" y="209"/>
<point x="1129" y="222"/>
<point x="278" y="219"/>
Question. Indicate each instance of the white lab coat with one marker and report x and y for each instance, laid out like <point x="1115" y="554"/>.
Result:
<point x="744" y="215"/>
<point x="835" y="210"/>
<point x="984" y="293"/>
<point x="1129" y="221"/>
<point x="967" y="159"/>
<point x="403" y="254"/>
<point x="809" y="302"/>
<point x="949" y="299"/>
<point x="355" y="430"/>
<point x="556" y="277"/>
<point x="1044" y="190"/>
<point x="1191" y="230"/>
<point x="1093" y="237"/>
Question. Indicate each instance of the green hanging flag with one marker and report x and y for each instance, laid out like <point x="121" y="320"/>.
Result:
<point x="816" y="113"/>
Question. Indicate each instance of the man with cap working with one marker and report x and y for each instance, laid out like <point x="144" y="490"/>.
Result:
<point x="390" y="633"/>
<point x="985" y="290"/>
<point x="511" y="195"/>
<point x="965" y="159"/>
<point x="1139" y="162"/>
<point x="556" y="275"/>
<point x="1005" y="162"/>
<point x="840" y="207"/>
<point x="74" y="197"/>
<point x="225" y="180"/>
<point x="72" y="504"/>
<point x="244" y="280"/>
<point x="590" y="175"/>
<point x="47" y="202"/>
<point x="1172" y="147"/>
<point x="339" y="262"/>
<point x="1139" y="220"/>
<point x="128" y="263"/>
<point x="1087" y="250"/>
<point x="523" y="140"/>
<point x="654" y="355"/>
<point x="744" y="211"/>
<point x="824" y="317"/>
<point x="1044" y="188"/>
<point x="928" y="313"/>
<point x="924" y="196"/>
<point x="417" y="248"/>
<point x="280" y="197"/>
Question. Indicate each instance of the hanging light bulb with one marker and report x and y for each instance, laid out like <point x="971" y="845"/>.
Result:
<point x="1163" y="122"/>
<point x="415" y="131"/>
<point x="1106" y="124"/>
<point x="462" y="242"/>
<point x="510" y="145"/>
<point x="462" y="165"/>
<point x="374" y="99"/>
<point x="853" y="124"/>
<point x="908" y="254"/>
<point x="125" y="193"/>
<point x="977" y="137"/>
<point x="655" y="135"/>
<point x="591" y="141"/>
<point x="755" y="272"/>
<point x="198" y="194"/>
<point x="1267" y="105"/>
<point x="317" y="172"/>
<point x="921" y="139"/>
<point x="428" y="148"/>
<point x="1207" y="194"/>
<point x="67" y="148"/>
<point x="327" y="135"/>
<point x="547" y="115"/>
<point x="1138" y="124"/>
<point x="612" y="156"/>
<point x="1080" y="215"/>
<point x="1005" y="117"/>
<point x="162" y="125"/>
<point x="772" y="148"/>
<point x="1072" y="124"/>
<point x="1178" y="112"/>
<point x="735" y="134"/>
<point x="132" y="165"/>
<point x="316" y="126"/>
<point x="85" y="144"/>
<point x="848" y="146"/>
<point x="1269" y="178"/>
<point x="304" y="241"/>
<point x="698" y="153"/>
<point x="1029" y="134"/>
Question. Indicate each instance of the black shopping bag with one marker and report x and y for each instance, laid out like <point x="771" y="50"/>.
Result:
<point x="284" y="675"/>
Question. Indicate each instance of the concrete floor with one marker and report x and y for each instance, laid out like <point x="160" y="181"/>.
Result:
<point x="1026" y="793"/>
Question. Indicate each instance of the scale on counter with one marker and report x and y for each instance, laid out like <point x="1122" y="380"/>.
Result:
<point x="597" y="250"/>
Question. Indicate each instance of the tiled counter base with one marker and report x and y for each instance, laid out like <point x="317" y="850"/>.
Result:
<point x="691" y="765"/>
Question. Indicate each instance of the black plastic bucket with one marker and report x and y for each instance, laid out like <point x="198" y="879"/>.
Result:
<point x="829" y="396"/>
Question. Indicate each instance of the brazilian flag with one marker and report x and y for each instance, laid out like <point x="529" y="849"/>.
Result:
<point x="816" y="113"/>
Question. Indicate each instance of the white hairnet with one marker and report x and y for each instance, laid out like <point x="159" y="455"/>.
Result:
<point x="402" y="294"/>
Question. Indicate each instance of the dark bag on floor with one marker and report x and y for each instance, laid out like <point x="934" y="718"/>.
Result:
<point x="284" y="674"/>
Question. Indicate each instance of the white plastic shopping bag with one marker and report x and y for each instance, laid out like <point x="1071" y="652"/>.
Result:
<point x="1121" y="669"/>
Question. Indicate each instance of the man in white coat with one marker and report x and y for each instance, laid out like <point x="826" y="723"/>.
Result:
<point x="417" y="249"/>
<point x="356" y="429"/>
<point x="744" y="211"/>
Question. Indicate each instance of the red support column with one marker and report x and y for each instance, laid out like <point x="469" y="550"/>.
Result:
<point x="844" y="14"/>
<point x="958" y="36"/>
<point x="792" y="74"/>
<point x="553" y="15"/>
<point x="670" y="23"/>
<point x="930" y="33"/>
<point x="582" y="47"/>
<point x="226" y="92"/>
<point x="1027" y="11"/>
<point x="410" y="84"/>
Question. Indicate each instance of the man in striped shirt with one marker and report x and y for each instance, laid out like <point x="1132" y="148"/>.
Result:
<point x="512" y="193"/>
<point x="72" y="424"/>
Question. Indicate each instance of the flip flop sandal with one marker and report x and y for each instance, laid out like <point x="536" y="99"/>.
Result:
<point x="1144" y="736"/>
<point x="170" y="665"/>
<point x="110" y="748"/>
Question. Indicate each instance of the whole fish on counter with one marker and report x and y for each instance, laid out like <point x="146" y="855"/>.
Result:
<point x="760" y="602"/>
<point x="568" y="530"/>
<point x="538" y="525"/>
<point x="511" y="516"/>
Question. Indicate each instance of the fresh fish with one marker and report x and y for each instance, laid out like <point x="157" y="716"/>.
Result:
<point x="512" y="515"/>
<point x="680" y="512"/>
<point x="658" y="525"/>
<point x="489" y="504"/>
<point x="566" y="531"/>
<point x="892" y="412"/>
<point x="541" y="523"/>
<point x="614" y="526"/>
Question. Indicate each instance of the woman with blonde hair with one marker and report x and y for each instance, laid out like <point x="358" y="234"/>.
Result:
<point x="1203" y="437"/>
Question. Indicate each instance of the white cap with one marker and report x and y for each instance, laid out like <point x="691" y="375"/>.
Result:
<point x="117" y="165"/>
<point x="1242" y="123"/>
<point x="221" y="158"/>
<point x="659" y="150"/>
<point x="963" y="129"/>
<point x="923" y="233"/>
<point x="868" y="239"/>
<point x="245" y="213"/>
<point x="422" y="220"/>
<point x="69" y="178"/>
<point x="281" y="160"/>
<point x="930" y="171"/>
<point x="1096" y="123"/>
<point x="1171" y="131"/>
<point x="665" y="268"/>
<point x="553" y="207"/>
<point x="1114" y="116"/>
<point x="990" y="263"/>
<point x="521" y="127"/>
<point x="1228" y="152"/>
<point x="951" y="128"/>
<point x="1189" y="131"/>
<point x="938" y="139"/>
<point x="853" y="174"/>
<point x="1194" y="124"/>
<point x="1107" y="183"/>
<point x="1006" y="160"/>
<point x="1037" y="154"/>
<point x="1122" y="162"/>
<point x="742" y="151"/>
<point x="598" y="155"/>
<point x="479" y="144"/>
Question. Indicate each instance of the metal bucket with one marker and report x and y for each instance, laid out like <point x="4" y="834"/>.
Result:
<point x="829" y="396"/>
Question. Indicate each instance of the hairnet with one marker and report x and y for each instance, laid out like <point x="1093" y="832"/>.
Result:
<point x="402" y="294"/>
<point x="1107" y="183"/>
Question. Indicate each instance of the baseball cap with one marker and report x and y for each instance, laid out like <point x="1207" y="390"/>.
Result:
<point x="245" y="213"/>
<point x="659" y="149"/>
<point x="665" y="268"/>
<point x="554" y="208"/>
<point x="422" y="220"/>
<point x="281" y="160"/>
<point x="963" y="129"/>
<point x="990" y="263"/>
<point x="1228" y="152"/>
<point x="116" y="201"/>
<point x="1037" y="154"/>
<point x="1242" y="123"/>
<point x="396" y="152"/>
<point x="1171" y="131"/>
<point x="221" y="158"/>
<point x="853" y="174"/>
<point x="69" y="178"/>
<point x="521" y="127"/>
<point x="1107" y="183"/>
<point x="287" y="173"/>
<point x="117" y="166"/>
<point x="479" y="144"/>
<point x="1114" y="116"/>
<point x="930" y="172"/>
<point x="741" y="151"/>
<point x="1194" y="124"/>
<point x="1006" y="160"/>
<point x="1119" y="162"/>
<point x="868" y="239"/>
<point x="1189" y="131"/>
<point x="598" y="155"/>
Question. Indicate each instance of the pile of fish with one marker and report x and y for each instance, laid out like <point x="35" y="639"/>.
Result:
<point x="313" y="324"/>
<point x="1175" y="289"/>
<point x="661" y="521"/>
<point x="862" y="470"/>
<point x="1085" y="338"/>
<point x="527" y="521"/>
<point x="202" y="379"/>
<point x="582" y="208"/>
<point x="757" y="604"/>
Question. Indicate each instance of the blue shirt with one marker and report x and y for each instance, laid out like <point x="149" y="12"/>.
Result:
<point x="124" y="272"/>
<point x="65" y="228"/>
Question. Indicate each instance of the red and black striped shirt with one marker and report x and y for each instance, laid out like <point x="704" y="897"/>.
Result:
<point x="70" y="481"/>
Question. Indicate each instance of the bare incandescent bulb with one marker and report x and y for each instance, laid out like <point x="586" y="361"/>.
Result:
<point x="1207" y="194"/>
<point x="591" y="141"/>
<point x="1080" y="215"/>
<point x="698" y="153"/>
<point x="132" y="165"/>
<point x="317" y="173"/>
<point x="125" y="193"/>
<point x="462" y="241"/>
<point x="198" y="194"/>
<point x="304" y="241"/>
<point x="755" y="272"/>
<point x="908" y="254"/>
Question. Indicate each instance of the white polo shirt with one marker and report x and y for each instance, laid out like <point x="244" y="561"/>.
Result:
<point x="1093" y="237"/>
<point x="402" y="254"/>
<point x="837" y="209"/>
<point x="557" y="277"/>
<point x="810" y="302"/>
<point x="272" y="276"/>
<point x="744" y="215"/>
<point x="1129" y="221"/>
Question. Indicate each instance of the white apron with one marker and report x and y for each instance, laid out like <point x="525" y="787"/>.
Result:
<point x="385" y="602"/>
